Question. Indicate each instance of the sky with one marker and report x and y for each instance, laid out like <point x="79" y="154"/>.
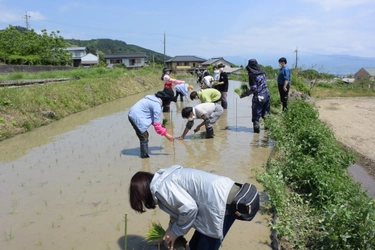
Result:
<point x="265" y="30"/>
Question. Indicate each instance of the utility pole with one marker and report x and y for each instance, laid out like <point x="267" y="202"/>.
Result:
<point x="27" y="17"/>
<point x="296" y="51"/>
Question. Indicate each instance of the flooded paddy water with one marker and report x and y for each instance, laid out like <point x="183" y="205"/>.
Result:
<point x="65" y="185"/>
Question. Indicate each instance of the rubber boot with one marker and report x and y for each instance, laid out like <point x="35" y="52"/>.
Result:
<point x="256" y="127"/>
<point x="209" y="133"/>
<point x="166" y="109"/>
<point x="224" y="105"/>
<point x="144" y="150"/>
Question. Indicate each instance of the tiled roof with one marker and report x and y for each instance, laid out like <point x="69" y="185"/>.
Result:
<point x="186" y="59"/>
<point x="371" y="71"/>
<point x="130" y="55"/>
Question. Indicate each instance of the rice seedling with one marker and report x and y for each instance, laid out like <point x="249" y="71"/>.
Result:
<point x="13" y="211"/>
<point x="242" y="90"/>
<point x="238" y="91"/>
<point x="165" y="121"/>
<point x="155" y="232"/>
<point x="9" y="236"/>
<point x="53" y="224"/>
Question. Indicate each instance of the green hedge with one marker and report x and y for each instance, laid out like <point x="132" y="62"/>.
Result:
<point x="317" y="203"/>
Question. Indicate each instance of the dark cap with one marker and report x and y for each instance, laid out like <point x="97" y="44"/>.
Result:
<point x="166" y="69"/>
<point x="165" y="93"/>
<point x="221" y="65"/>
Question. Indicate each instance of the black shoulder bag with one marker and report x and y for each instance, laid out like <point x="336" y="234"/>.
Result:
<point x="245" y="204"/>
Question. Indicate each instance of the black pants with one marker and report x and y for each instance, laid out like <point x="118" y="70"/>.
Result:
<point x="179" y="94"/>
<point x="284" y="95"/>
<point x="143" y="137"/>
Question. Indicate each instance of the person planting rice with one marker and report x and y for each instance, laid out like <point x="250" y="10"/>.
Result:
<point x="208" y="112"/>
<point x="194" y="199"/>
<point x="145" y="113"/>
<point x="206" y="95"/>
<point x="261" y="95"/>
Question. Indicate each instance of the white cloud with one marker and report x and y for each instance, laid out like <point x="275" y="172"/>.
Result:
<point x="338" y="4"/>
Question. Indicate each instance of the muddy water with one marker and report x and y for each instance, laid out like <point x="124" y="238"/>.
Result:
<point x="64" y="186"/>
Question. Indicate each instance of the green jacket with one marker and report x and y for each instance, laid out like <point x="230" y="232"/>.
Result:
<point x="209" y="95"/>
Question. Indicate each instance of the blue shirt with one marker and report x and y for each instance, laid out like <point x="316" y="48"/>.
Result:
<point x="284" y="74"/>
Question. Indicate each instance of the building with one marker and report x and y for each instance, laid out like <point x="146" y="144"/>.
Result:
<point x="216" y="61"/>
<point x="132" y="60"/>
<point x="184" y="63"/>
<point x="365" y="73"/>
<point x="77" y="54"/>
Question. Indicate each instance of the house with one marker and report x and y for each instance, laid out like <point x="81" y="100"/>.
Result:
<point x="89" y="60"/>
<point x="132" y="60"/>
<point x="216" y="61"/>
<point x="365" y="73"/>
<point x="184" y="63"/>
<point x="77" y="54"/>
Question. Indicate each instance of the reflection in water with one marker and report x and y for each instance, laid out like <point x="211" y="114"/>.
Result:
<point x="65" y="185"/>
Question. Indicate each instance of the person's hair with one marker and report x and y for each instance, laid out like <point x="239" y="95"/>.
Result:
<point x="185" y="112"/>
<point x="140" y="196"/>
<point x="282" y="59"/>
<point x="193" y="95"/>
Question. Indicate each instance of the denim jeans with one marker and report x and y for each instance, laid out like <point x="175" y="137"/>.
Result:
<point x="200" y="241"/>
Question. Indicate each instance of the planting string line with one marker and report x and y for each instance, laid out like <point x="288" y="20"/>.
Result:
<point x="126" y="232"/>
<point x="236" y="114"/>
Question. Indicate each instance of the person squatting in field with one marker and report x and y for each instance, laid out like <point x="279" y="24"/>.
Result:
<point x="208" y="112"/>
<point x="147" y="112"/>
<point x="259" y="90"/>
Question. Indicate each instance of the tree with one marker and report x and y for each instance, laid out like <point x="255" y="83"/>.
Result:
<point x="28" y="47"/>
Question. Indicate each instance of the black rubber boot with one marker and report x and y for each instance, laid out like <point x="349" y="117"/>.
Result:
<point x="209" y="133"/>
<point x="144" y="150"/>
<point x="166" y="109"/>
<point x="224" y="105"/>
<point x="256" y="127"/>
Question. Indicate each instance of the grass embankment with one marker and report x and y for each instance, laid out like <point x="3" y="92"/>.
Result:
<point x="318" y="205"/>
<point x="25" y="108"/>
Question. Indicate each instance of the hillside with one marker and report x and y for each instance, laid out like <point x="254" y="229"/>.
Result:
<point x="109" y="46"/>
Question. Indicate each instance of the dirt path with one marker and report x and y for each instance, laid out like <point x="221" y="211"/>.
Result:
<point x="353" y="123"/>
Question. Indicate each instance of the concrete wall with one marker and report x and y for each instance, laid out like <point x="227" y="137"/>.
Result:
<point x="6" y="69"/>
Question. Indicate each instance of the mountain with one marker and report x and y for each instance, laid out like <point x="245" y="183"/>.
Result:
<point x="340" y="65"/>
<point x="109" y="46"/>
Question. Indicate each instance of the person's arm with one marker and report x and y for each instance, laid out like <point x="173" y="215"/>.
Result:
<point x="188" y="126"/>
<point x="286" y="79"/>
<point x="161" y="130"/>
<point x="183" y="207"/>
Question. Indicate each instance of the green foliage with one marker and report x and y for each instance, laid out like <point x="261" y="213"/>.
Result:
<point x="28" y="47"/>
<point x="307" y="178"/>
<point x="299" y="83"/>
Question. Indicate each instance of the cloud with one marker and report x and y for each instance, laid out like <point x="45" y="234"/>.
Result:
<point x="328" y="5"/>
